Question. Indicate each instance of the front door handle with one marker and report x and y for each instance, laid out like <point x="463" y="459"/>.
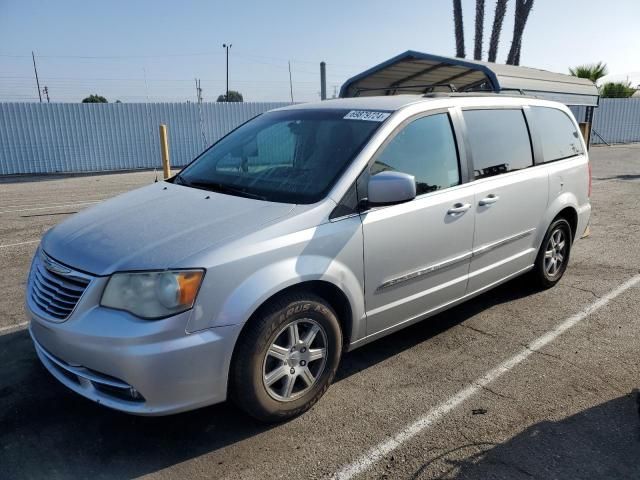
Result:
<point x="458" y="209"/>
<point x="489" y="199"/>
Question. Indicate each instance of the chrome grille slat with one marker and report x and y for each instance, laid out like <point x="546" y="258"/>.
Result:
<point x="56" y="289"/>
<point x="51" y="296"/>
<point x="58" y="280"/>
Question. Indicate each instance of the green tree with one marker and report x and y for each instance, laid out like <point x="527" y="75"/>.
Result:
<point x="94" y="99"/>
<point x="592" y="71"/>
<point x="233" y="97"/>
<point x="617" y="90"/>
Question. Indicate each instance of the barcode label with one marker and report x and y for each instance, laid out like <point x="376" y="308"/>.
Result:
<point x="367" y="115"/>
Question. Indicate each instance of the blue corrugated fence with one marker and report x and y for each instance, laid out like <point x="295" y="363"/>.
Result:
<point x="76" y="137"/>
<point x="616" y="120"/>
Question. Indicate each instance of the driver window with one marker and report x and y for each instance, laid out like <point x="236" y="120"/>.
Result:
<point x="425" y="149"/>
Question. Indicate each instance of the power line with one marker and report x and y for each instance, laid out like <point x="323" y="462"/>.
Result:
<point x="33" y="56"/>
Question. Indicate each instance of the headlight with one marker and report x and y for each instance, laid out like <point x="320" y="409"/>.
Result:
<point x="153" y="294"/>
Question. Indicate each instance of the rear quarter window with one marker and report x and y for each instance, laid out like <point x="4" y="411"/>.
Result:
<point x="558" y="134"/>
<point x="499" y="141"/>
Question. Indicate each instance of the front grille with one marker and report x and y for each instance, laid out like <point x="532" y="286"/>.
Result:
<point x="55" y="288"/>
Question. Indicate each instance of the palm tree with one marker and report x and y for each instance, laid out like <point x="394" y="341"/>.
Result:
<point x="457" y="19"/>
<point x="501" y="9"/>
<point x="523" y="8"/>
<point x="477" y="51"/>
<point x="617" y="90"/>
<point x="592" y="71"/>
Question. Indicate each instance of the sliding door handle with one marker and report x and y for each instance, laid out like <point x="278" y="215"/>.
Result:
<point x="489" y="199"/>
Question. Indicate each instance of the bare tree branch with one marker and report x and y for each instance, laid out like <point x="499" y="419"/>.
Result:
<point x="501" y="9"/>
<point x="523" y="8"/>
<point x="477" y="51"/>
<point x="457" y="19"/>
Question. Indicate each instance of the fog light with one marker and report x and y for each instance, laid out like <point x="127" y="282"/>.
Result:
<point x="134" y="393"/>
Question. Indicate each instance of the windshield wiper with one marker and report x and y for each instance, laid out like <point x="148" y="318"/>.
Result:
<point x="221" y="188"/>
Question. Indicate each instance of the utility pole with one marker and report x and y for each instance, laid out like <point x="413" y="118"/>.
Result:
<point x="33" y="56"/>
<point x="323" y="81"/>
<point x="290" y="83"/>
<point x="45" y="90"/>
<point x="198" y="90"/>
<point x="227" y="47"/>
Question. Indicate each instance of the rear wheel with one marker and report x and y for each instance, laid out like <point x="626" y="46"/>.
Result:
<point x="286" y="358"/>
<point x="553" y="256"/>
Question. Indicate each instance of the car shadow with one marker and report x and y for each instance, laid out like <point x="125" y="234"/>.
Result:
<point x="46" y="428"/>
<point x="599" y="442"/>
<point x="629" y="177"/>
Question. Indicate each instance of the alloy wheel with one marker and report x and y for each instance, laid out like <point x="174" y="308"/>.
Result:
<point x="555" y="253"/>
<point x="295" y="360"/>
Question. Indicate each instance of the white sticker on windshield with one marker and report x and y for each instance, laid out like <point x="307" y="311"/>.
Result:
<point x="367" y="115"/>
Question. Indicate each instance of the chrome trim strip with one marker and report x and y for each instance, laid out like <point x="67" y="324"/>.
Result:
<point x="492" y="246"/>
<point x="425" y="271"/>
<point x="62" y="270"/>
<point x="453" y="261"/>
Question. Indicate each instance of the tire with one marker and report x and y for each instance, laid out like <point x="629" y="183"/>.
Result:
<point x="272" y="379"/>
<point x="554" y="254"/>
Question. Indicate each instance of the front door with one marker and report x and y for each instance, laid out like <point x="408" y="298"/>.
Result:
<point x="417" y="253"/>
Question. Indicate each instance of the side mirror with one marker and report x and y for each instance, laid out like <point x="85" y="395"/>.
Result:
<point x="388" y="188"/>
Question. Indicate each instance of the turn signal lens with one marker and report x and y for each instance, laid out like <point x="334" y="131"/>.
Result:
<point x="189" y="283"/>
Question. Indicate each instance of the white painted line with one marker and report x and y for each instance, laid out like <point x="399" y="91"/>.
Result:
<point x="17" y="326"/>
<point x="19" y="243"/>
<point x="379" y="451"/>
<point x="48" y="207"/>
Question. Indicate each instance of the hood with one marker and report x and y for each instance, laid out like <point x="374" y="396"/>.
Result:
<point x="155" y="227"/>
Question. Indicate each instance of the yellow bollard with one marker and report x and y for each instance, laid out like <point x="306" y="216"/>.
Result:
<point x="585" y="129"/>
<point x="164" y="148"/>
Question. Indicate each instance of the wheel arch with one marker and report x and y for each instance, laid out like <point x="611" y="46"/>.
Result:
<point x="570" y="214"/>
<point x="328" y="291"/>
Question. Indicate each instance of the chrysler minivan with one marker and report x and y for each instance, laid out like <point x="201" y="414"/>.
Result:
<point x="304" y="233"/>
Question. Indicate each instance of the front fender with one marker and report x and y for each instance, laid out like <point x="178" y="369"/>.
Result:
<point x="246" y="275"/>
<point x="274" y="278"/>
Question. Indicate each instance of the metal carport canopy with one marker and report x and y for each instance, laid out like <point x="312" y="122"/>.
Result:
<point x="413" y="72"/>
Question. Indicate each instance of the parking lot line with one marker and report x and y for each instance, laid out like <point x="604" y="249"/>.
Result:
<point x="46" y="207"/>
<point x="19" y="243"/>
<point x="379" y="451"/>
<point x="11" y="328"/>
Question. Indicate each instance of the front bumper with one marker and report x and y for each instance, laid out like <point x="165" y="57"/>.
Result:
<point x="139" y="367"/>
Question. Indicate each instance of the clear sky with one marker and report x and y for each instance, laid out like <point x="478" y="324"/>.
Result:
<point x="138" y="50"/>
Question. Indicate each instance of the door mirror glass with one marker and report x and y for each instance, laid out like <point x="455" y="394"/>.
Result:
<point x="388" y="188"/>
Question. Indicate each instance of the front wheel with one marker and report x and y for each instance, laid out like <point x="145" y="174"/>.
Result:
<point x="286" y="358"/>
<point x="553" y="256"/>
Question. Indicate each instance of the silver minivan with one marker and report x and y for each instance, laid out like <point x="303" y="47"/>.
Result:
<point x="306" y="232"/>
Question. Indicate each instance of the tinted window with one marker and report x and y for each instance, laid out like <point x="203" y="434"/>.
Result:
<point x="499" y="141"/>
<point x="292" y="156"/>
<point x="425" y="149"/>
<point x="558" y="135"/>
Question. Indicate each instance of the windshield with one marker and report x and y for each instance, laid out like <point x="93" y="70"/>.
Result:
<point x="291" y="156"/>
